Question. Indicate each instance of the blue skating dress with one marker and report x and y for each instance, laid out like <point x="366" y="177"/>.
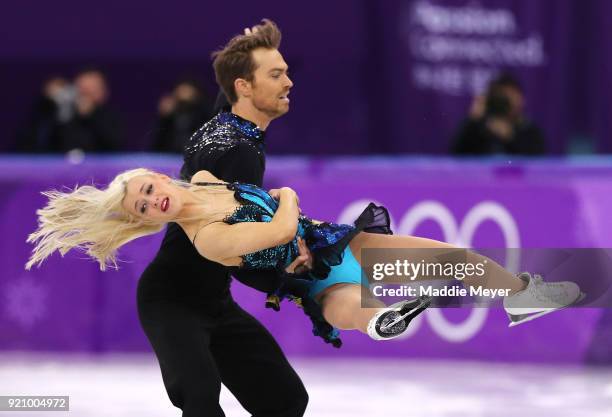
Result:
<point x="333" y="261"/>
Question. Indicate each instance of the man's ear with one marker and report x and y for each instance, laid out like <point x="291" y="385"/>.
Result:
<point x="242" y="87"/>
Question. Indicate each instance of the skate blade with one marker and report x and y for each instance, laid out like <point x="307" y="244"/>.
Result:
<point x="423" y="303"/>
<point x="517" y="319"/>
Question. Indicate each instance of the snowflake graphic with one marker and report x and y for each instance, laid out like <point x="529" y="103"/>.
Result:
<point x="25" y="301"/>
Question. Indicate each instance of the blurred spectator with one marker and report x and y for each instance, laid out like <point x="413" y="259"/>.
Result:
<point x="53" y="108"/>
<point x="93" y="127"/>
<point x="497" y="125"/>
<point x="72" y="117"/>
<point x="181" y="113"/>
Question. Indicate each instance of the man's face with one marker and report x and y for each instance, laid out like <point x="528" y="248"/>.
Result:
<point x="271" y="84"/>
<point x="92" y="86"/>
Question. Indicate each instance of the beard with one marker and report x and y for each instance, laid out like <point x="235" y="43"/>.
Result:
<point x="272" y="108"/>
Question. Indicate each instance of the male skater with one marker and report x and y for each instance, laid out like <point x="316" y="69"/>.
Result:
<point x="201" y="337"/>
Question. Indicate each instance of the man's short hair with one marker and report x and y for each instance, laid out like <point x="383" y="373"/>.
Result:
<point x="505" y="79"/>
<point x="235" y="60"/>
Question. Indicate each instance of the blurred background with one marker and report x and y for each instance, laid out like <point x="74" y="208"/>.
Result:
<point x="482" y="123"/>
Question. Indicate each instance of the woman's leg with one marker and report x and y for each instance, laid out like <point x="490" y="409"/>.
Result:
<point x="352" y="307"/>
<point x="345" y="307"/>
<point x="496" y="276"/>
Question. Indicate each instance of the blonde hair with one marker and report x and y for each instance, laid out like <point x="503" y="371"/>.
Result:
<point x="90" y="219"/>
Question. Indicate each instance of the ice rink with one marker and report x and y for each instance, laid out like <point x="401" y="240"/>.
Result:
<point x="131" y="385"/>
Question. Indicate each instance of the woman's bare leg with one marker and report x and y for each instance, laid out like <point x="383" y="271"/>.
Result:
<point x="496" y="276"/>
<point x="350" y="306"/>
<point x="344" y="308"/>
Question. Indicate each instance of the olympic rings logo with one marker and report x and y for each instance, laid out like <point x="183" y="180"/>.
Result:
<point x="457" y="234"/>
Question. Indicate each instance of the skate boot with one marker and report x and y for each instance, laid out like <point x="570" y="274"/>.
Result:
<point x="540" y="298"/>
<point x="394" y="320"/>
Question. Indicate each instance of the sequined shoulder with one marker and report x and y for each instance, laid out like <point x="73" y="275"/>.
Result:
<point x="222" y="133"/>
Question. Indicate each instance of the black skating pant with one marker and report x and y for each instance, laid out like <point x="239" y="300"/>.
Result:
<point x="198" y="348"/>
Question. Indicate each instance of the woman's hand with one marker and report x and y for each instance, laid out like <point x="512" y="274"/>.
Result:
<point x="303" y="262"/>
<point x="286" y="216"/>
<point x="276" y="193"/>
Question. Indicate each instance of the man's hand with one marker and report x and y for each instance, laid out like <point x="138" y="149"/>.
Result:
<point x="478" y="107"/>
<point x="303" y="262"/>
<point x="166" y="105"/>
<point x="501" y="127"/>
<point x="250" y="31"/>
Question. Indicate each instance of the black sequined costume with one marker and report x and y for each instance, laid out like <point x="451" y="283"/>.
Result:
<point x="222" y="133"/>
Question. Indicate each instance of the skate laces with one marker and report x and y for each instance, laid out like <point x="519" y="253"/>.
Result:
<point x="546" y="291"/>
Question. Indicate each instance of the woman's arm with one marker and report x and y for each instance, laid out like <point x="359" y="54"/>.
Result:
<point x="220" y="241"/>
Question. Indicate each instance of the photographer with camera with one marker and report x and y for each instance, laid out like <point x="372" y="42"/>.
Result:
<point x="72" y="117"/>
<point x="497" y="124"/>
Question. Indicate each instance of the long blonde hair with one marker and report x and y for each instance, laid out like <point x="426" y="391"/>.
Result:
<point x="90" y="219"/>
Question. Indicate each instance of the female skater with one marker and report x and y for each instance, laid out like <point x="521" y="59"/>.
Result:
<point x="242" y="225"/>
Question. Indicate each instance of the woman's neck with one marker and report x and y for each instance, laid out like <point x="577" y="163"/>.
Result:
<point x="201" y="205"/>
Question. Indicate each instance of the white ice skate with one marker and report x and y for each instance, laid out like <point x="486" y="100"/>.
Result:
<point x="394" y="320"/>
<point x="540" y="298"/>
